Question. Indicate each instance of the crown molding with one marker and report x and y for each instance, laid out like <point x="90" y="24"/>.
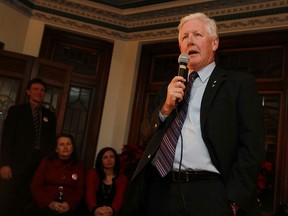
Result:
<point x="232" y="16"/>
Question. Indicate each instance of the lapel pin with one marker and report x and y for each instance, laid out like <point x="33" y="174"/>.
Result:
<point x="74" y="176"/>
<point x="45" y="119"/>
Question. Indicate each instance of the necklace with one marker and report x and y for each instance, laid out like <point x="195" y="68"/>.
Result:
<point x="106" y="189"/>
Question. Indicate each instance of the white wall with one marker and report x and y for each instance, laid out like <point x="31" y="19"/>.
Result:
<point x="34" y="37"/>
<point x="13" y="28"/>
<point x="119" y="96"/>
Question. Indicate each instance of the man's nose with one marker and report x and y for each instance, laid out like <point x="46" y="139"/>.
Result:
<point x="190" y="39"/>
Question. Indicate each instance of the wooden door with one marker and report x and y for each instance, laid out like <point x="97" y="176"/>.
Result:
<point x="57" y="76"/>
<point x="90" y="58"/>
<point x="15" y="72"/>
<point x="14" y="68"/>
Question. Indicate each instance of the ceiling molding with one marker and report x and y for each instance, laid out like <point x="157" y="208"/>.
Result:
<point x="231" y="16"/>
<point x="130" y="4"/>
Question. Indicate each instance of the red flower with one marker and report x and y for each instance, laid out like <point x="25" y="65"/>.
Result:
<point x="264" y="178"/>
<point x="261" y="182"/>
<point x="267" y="165"/>
<point x="129" y="158"/>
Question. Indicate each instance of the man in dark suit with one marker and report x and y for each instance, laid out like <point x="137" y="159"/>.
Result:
<point x="217" y="156"/>
<point x="24" y="143"/>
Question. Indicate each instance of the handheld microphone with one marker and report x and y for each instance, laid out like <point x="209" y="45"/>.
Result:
<point x="183" y="60"/>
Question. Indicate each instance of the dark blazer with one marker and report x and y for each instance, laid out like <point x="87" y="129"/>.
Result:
<point x="232" y="128"/>
<point x="18" y="137"/>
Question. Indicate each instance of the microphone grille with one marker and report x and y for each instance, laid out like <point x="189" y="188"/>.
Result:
<point x="183" y="58"/>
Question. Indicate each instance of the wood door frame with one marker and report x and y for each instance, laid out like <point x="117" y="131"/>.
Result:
<point x="98" y="81"/>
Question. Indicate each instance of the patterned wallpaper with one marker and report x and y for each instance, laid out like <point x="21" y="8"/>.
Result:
<point x="233" y="16"/>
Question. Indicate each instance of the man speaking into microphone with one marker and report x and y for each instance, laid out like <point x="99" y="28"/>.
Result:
<point x="204" y="136"/>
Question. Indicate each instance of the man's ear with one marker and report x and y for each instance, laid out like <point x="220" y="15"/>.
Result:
<point x="215" y="43"/>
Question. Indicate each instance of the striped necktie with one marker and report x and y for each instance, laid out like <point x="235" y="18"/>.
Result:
<point x="166" y="152"/>
<point x="37" y="126"/>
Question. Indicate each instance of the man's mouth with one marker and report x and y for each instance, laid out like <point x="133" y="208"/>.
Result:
<point x="192" y="52"/>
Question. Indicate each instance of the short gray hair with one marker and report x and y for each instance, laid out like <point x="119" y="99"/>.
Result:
<point x="211" y="26"/>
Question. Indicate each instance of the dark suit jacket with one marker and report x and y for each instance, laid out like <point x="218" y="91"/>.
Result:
<point x="18" y="137"/>
<point x="232" y="129"/>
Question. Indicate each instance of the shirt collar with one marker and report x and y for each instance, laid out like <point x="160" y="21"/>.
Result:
<point x="205" y="73"/>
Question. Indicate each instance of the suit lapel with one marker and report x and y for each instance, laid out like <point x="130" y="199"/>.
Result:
<point x="28" y="113"/>
<point x="217" y="78"/>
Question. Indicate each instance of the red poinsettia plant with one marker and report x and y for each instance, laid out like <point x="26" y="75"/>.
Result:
<point x="129" y="158"/>
<point x="264" y="180"/>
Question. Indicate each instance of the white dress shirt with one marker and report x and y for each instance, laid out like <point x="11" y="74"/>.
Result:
<point x="195" y="154"/>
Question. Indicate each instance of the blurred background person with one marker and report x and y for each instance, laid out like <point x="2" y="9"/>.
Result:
<point x="58" y="184"/>
<point x="28" y="134"/>
<point x="105" y="185"/>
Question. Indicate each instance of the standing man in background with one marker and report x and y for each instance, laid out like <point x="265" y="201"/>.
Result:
<point x="28" y="134"/>
<point x="201" y="159"/>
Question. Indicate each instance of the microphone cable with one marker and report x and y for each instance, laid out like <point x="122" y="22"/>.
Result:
<point x="179" y="168"/>
<point x="183" y="60"/>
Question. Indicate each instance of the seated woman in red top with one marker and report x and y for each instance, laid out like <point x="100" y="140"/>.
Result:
<point x="105" y="186"/>
<point x="58" y="183"/>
